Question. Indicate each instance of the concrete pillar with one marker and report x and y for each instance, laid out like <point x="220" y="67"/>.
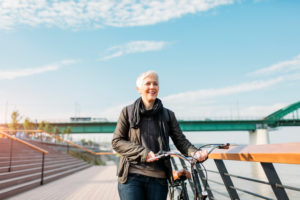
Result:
<point x="260" y="136"/>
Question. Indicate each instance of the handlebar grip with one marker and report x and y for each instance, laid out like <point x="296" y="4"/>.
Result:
<point x="224" y="146"/>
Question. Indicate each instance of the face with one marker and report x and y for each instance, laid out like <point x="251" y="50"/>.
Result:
<point x="149" y="89"/>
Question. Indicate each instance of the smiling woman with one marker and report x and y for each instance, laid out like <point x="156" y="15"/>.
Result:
<point x="147" y="86"/>
<point x="143" y="129"/>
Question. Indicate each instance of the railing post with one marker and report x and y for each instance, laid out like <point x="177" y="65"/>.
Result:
<point x="43" y="165"/>
<point x="226" y="179"/>
<point x="10" y="154"/>
<point x="274" y="180"/>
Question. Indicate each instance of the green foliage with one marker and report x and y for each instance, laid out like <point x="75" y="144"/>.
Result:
<point x="56" y="131"/>
<point x="28" y="124"/>
<point x="48" y="127"/>
<point x="87" y="157"/>
<point x="66" y="131"/>
<point x="41" y="125"/>
<point x="82" y="141"/>
<point x="90" y="142"/>
<point x="15" y="119"/>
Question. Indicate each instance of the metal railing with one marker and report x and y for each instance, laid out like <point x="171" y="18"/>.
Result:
<point x="67" y="142"/>
<point x="12" y="139"/>
<point x="266" y="155"/>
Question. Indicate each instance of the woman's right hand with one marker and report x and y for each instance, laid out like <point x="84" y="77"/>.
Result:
<point x="151" y="157"/>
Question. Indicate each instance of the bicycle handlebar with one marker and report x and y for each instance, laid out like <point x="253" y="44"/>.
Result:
<point x="190" y="159"/>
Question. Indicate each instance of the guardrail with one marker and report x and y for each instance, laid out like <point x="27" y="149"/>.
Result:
<point x="69" y="143"/>
<point x="12" y="138"/>
<point x="266" y="155"/>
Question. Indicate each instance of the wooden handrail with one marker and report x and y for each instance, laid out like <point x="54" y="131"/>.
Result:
<point x="25" y="143"/>
<point x="68" y="142"/>
<point x="78" y="146"/>
<point x="288" y="153"/>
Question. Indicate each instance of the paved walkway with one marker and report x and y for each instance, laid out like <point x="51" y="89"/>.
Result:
<point x="92" y="183"/>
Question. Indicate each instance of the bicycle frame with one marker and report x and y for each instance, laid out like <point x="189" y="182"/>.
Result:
<point x="199" y="194"/>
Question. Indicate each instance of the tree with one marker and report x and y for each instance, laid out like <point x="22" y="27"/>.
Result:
<point x="15" y="119"/>
<point x="82" y="141"/>
<point x="41" y="125"/>
<point x="48" y="127"/>
<point x="90" y="142"/>
<point x="68" y="131"/>
<point x="57" y="133"/>
<point x="28" y="125"/>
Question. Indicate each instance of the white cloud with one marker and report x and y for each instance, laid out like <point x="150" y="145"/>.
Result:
<point x="284" y="66"/>
<point x="12" y="74"/>
<point x="191" y="104"/>
<point x="262" y="110"/>
<point x="133" y="47"/>
<point x="98" y="13"/>
<point x="193" y="96"/>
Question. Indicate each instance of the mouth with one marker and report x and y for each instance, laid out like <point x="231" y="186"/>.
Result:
<point x="152" y="92"/>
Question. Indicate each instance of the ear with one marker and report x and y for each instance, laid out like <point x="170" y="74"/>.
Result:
<point x="138" y="89"/>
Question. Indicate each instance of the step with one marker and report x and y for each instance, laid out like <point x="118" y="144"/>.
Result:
<point x="28" y="161"/>
<point x="29" y="177"/>
<point x="10" y="191"/>
<point x="7" y="175"/>
<point x="32" y="165"/>
<point x="21" y="157"/>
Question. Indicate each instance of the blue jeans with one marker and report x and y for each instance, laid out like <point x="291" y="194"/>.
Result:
<point x="139" y="187"/>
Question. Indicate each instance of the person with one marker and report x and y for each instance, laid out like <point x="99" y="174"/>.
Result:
<point x="143" y="129"/>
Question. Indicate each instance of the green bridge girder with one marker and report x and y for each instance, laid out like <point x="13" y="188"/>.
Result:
<point x="275" y="117"/>
<point x="104" y="127"/>
<point x="222" y="125"/>
<point x="273" y="120"/>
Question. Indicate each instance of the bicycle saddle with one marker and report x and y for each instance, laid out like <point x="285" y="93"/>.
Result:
<point x="182" y="174"/>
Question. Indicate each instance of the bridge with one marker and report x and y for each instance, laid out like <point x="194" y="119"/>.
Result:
<point x="258" y="129"/>
<point x="273" y="120"/>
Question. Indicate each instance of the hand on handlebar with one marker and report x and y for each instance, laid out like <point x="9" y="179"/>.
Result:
<point x="200" y="155"/>
<point x="151" y="157"/>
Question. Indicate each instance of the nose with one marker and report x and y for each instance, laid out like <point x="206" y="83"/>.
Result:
<point x="152" y="85"/>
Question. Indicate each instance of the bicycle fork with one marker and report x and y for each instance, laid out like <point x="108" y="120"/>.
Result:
<point x="199" y="194"/>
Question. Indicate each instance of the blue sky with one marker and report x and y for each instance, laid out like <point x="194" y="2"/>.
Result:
<point x="215" y="59"/>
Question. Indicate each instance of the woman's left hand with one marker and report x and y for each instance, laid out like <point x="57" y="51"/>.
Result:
<point x="200" y="155"/>
<point x="151" y="157"/>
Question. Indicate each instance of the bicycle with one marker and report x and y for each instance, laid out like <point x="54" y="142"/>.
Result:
<point x="180" y="176"/>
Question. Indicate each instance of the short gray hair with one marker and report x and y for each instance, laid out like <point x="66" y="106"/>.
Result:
<point x="142" y="76"/>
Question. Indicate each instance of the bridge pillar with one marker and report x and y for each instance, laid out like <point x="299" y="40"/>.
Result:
<point x="259" y="136"/>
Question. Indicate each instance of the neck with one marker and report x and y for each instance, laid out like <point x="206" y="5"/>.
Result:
<point x="148" y="105"/>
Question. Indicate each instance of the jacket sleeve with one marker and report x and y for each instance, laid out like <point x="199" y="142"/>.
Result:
<point x="179" y="139"/>
<point x="121" y="143"/>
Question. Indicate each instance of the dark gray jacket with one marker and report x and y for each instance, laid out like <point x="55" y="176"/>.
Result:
<point x="127" y="142"/>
